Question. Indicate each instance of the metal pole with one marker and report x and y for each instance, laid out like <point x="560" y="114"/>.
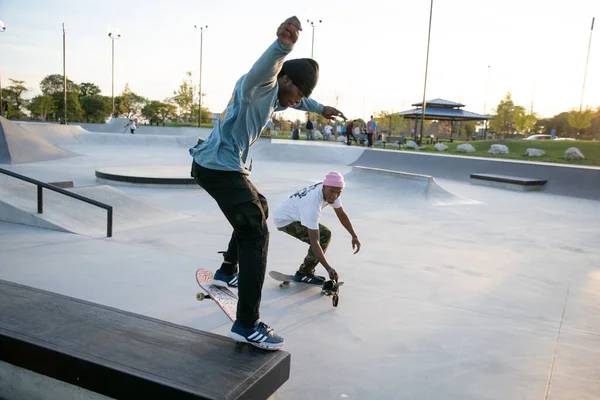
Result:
<point x="313" y="24"/>
<point x="426" y="70"/>
<point x="485" y="121"/>
<point x="312" y="50"/>
<point x="40" y="199"/>
<point x="200" y="80"/>
<point x="2" y="29"/>
<point x="201" y="27"/>
<point x="113" y="78"/>
<point x="586" y="65"/>
<point x="113" y="34"/>
<point x="64" y="74"/>
<point x="109" y="222"/>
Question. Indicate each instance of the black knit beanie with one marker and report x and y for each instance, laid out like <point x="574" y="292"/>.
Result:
<point x="303" y="72"/>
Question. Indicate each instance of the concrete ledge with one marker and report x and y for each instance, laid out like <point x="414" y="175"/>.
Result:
<point x="171" y="176"/>
<point x="508" y="182"/>
<point x="127" y="356"/>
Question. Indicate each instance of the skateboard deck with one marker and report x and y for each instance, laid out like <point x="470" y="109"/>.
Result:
<point x="287" y="279"/>
<point x="332" y="291"/>
<point x="225" y="298"/>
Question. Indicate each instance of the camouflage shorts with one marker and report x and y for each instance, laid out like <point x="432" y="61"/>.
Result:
<point x="299" y="231"/>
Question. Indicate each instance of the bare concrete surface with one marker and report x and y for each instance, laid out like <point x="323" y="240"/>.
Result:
<point x="493" y="295"/>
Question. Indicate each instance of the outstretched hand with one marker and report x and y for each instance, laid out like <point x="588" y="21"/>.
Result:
<point x="333" y="275"/>
<point x="355" y="244"/>
<point x="289" y="31"/>
<point x="332" y="112"/>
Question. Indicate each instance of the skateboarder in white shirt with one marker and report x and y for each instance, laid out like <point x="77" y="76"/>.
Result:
<point x="299" y="216"/>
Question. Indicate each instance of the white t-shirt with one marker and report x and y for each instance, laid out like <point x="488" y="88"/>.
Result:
<point x="303" y="206"/>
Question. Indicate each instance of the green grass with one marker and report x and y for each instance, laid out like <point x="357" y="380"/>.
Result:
<point x="555" y="150"/>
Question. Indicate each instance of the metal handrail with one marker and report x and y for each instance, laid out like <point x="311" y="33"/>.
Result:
<point x="40" y="197"/>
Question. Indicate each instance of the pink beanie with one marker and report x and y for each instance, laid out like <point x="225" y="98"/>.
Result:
<point x="334" y="179"/>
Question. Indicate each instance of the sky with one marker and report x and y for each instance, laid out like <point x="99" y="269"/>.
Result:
<point x="371" y="53"/>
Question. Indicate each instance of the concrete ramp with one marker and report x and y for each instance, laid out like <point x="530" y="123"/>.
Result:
<point x="304" y="152"/>
<point x="402" y="186"/>
<point x="120" y="139"/>
<point x="19" y="145"/>
<point x="18" y="204"/>
<point x="47" y="130"/>
<point x="73" y="135"/>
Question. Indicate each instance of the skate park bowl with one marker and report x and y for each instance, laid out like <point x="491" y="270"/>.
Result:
<point x="461" y="289"/>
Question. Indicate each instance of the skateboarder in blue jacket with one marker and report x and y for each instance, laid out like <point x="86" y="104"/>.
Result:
<point x="219" y="167"/>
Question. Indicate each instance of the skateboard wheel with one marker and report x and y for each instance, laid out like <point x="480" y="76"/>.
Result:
<point x="281" y="285"/>
<point x="201" y="296"/>
<point x="335" y="300"/>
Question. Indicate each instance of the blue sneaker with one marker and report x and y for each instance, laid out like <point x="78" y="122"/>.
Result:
<point x="309" y="278"/>
<point x="261" y="335"/>
<point x="224" y="280"/>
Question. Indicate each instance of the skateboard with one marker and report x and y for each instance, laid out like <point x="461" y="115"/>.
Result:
<point x="225" y="298"/>
<point x="330" y="288"/>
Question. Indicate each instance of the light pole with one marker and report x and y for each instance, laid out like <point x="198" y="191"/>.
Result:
<point x="113" y="35"/>
<point x="586" y="64"/>
<point x="426" y="68"/>
<point x="313" y="24"/>
<point x="201" y="28"/>
<point x="2" y="29"/>
<point x="485" y="122"/>
<point x="64" y="74"/>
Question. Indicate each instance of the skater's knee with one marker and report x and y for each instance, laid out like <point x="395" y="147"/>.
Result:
<point x="325" y="233"/>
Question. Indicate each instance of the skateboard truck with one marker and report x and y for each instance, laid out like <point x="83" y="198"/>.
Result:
<point x="331" y="288"/>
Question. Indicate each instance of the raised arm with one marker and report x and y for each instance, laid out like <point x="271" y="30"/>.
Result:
<point x="263" y="73"/>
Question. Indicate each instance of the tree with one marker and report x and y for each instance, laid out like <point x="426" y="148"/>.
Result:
<point x="89" y="89"/>
<point x="523" y="122"/>
<point x="157" y="111"/>
<point x="41" y="106"/>
<point x="185" y="97"/>
<point x="393" y="123"/>
<point x="504" y="119"/>
<point x="74" y="111"/>
<point x="194" y="113"/>
<point x="53" y="84"/>
<point x="96" y="108"/>
<point x="467" y="129"/>
<point x="595" y="128"/>
<point x="130" y="104"/>
<point x="13" y="97"/>
<point x="581" y="119"/>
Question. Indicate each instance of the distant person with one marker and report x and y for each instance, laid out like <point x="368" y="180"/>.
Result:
<point x="299" y="216"/>
<point x="327" y="135"/>
<point x="309" y="129"/>
<point x="350" y="133"/>
<point x="371" y="127"/>
<point x="269" y="127"/>
<point x="132" y="126"/>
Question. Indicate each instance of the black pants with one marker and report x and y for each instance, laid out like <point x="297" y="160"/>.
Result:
<point x="350" y="135"/>
<point x="247" y="212"/>
<point x="369" y="139"/>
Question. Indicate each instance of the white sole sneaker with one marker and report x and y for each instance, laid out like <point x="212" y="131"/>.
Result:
<point x="219" y="283"/>
<point x="264" y="346"/>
